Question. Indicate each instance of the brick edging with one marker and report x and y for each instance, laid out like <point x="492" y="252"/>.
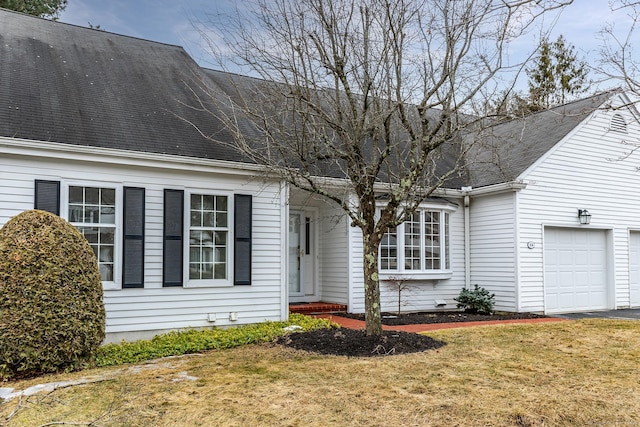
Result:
<point x="346" y="322"/>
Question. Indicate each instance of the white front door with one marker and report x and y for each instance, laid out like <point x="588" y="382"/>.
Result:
<point x="302" y="286"/>
<point x="634" y="269"/>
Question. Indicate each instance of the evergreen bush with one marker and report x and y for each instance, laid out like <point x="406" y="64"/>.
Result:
<point x="477" y="301"/>
<point x="52" y="316"/>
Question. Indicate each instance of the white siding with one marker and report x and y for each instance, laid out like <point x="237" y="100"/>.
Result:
<point x="493" y="257"/>
<point x="356" y="271"/>
<point x="592" y="169"/>
<point x="156" y="308"/>
<point x="334" y="256"/>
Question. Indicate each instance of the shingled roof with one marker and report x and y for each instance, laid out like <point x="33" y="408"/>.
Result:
<point x="502" y="152"/>
<point x="75" y="85"/>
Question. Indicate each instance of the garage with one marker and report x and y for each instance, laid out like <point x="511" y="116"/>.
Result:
<point x="575" y="263"/>
<point x="634" y="269"/>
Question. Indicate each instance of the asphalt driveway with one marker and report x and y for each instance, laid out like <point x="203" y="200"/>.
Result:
<point x="629" y="314"/>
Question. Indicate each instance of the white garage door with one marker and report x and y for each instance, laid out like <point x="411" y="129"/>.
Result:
<point x="575" y="270"/>
<point x="634" y="269"/>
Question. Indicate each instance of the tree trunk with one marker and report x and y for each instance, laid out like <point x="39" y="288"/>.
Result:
<point x="372" y="314"/>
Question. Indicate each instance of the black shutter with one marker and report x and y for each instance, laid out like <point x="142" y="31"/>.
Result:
<point x="133" y="238"/>
<point x="47" y="196"/>
<point x="172" y="263"/>
<point x="242" y="240"/>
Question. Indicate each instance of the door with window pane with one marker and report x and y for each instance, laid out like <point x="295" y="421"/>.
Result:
<point x="295" y="256"/>
<point x="301" y="256"/>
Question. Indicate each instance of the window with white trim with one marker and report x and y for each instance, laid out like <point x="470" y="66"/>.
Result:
<point x="208" y="237"/>
<point x="419" y="245"/>
<point x="92" y="210"/>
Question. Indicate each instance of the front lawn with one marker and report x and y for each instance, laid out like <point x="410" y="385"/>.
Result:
<point x="567" y="373"/>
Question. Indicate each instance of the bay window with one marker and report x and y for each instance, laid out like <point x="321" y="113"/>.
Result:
<point x="420" y="245"/>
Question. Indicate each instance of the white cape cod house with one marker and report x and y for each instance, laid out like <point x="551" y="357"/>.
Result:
<point x="189" y="234"/>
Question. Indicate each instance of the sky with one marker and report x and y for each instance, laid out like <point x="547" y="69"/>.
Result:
<point x="175" y="22"/>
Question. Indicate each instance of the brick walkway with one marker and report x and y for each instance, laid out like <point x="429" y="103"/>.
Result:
<point x="346" y="322"/>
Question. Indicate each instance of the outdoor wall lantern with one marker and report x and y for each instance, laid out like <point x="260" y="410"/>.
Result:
<point x="584" y="216"/>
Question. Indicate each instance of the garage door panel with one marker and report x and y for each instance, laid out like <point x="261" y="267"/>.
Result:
<point x="581" y="300"/>
<point x="565" y="257"/>
<point x="580" y="280"/>
<point x="564" y="300"/>
<point x="575" y="270"/>
<point x="579" y="238"/>
<point x="634" y="269"/>
<point x="564" y="279"/>
<point x="581" y="258"/>
<point x="595" y="256"/>
<point x="597" y="277"/>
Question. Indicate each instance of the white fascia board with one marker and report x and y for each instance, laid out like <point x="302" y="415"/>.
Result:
<point x="56" y="150"/>
<point x="631" y="104"/>
<point x="440" y="191"/>
<point x="345" y="184"/>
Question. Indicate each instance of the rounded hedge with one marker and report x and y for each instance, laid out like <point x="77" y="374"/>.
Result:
<point x="51" y="311"/>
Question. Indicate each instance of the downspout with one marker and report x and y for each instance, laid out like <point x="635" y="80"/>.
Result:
<point x="284" y="249"/>
<point x="467" y="240"/>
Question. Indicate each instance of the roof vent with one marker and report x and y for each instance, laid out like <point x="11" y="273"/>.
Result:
<point x="618" y="124"/>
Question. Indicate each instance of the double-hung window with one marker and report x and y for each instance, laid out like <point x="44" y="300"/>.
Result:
<point x="418" y="247"/>
<point x="209" y="233"/>
<point x="208" y="238"/>
<point x="93" y="211"/>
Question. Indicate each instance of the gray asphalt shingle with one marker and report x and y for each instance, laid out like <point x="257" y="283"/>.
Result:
<point x="75" y="85"/>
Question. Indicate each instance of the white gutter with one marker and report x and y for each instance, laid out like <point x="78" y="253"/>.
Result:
<point x="497" y="188"/>
<point x="467" y="239"/>
<point x="25" y="147"/>
<point x="284" y="250"/>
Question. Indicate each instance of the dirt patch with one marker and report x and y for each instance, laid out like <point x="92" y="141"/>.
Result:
<point x="355" y="343"/>
<point x="391" y="319"/>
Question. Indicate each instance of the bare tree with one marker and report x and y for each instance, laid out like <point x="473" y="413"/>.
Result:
<point x="399" y="285"/>
<point x="364" y="101"/>
<point x="618" y="61"/>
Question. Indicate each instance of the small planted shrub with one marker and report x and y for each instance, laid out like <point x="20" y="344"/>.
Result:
<point x="52" y="316"/>
<point x="399" y="285"/>
<point x="477" y="301"/>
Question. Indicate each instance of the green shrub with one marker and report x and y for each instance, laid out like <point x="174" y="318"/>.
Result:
<point x="51" y="311"/>
<point x="193" y="341"/>
<point x="478" y="300"/>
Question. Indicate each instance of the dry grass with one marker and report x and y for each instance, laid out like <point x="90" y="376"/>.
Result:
<point x="553" y="374"/>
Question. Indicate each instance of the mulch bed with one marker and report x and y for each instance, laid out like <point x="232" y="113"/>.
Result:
<point x="355" y="343"/>
<point x="391" y="319"/>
